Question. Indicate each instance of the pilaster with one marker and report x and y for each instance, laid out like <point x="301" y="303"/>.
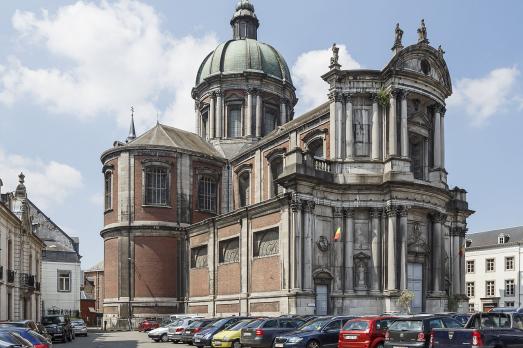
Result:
<point x="349" y="251"/>
<point x="391" y="249"/>
<point x="375" y="142"/>
<point x="349" y="131"/>
<point x="375" y="250"/>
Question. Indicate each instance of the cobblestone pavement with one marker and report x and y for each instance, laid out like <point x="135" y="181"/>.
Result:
<point x="117" y="340"/>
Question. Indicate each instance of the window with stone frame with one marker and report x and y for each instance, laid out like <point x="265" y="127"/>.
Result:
<point x="234" y="120"/>
<point x="471" y="307"/>
<point x="417" y="155"/>
<point x="207" y="193"/>
<point x="270" y="118"/>
<point x="266" y="243"/>
<point x="510" y="287"/>
<point x="361" y="121"/>
<point x="509" y="263"/>
<point x="156" y="185"/>
<point x="229" y="250"/>
<point x="204" y="124"/>
<point x="471" y="266"/>
<point x="490" y="265"/>
<point x="199" y="257"/>
<point x="244" y="188"/>
<point x="108" y="190"/>
<point x="276" y="170"/>
<point x="315" y="148"/>
<point x="470" y="289"/>
<point x="490" y="288"/>
<point x="509" y="304"/>
<point x="64" y="281"/>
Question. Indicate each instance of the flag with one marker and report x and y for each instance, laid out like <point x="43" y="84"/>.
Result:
<point x="337" y="235"/>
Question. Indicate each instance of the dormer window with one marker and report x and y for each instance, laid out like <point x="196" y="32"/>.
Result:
<point x="503" y="238"/>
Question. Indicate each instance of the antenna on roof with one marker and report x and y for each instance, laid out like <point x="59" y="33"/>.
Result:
<point x="132" y="131"/>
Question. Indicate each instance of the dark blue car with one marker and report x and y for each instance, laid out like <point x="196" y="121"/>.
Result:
<point x="320" y="332"/>
<point x="12" y="340"/>
<point x="32" y="336"/>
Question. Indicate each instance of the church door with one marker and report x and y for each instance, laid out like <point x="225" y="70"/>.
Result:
<point x="322" y="298"/>
<point x="415" y="284"/>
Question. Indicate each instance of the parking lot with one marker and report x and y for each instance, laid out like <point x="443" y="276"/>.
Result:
<point x="117" y="340"/>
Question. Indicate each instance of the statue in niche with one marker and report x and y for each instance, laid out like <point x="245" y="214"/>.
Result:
<point x="361" y="271"/>
<point x="422" y="33"/>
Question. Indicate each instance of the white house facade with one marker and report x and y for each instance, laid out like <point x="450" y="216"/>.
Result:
<point x="61" y="287"/>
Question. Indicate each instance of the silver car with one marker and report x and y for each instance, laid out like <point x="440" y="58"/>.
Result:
<point x="177" y="328"/>
<point x="79" y="327"/>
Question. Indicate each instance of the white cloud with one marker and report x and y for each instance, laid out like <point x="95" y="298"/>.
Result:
<point x="97" y="199"/>
<point x="46" y="182"/>
<point x="307" y="72"/>
<point x="104" y="58"/>
<point x="486" y="96"/>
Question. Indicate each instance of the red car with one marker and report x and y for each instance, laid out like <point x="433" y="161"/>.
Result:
<point x="148" y="325"/>
<point x="364" y="332"/>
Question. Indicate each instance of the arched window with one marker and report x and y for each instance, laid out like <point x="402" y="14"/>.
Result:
<point x="156" y="185"/>
<point x="108" y="190"/>
<point x="276" y="170"/>
<point x="361" y="129"/>
<point x="243" y="188"/>
<point x="207" y="194"/>
<point x="270" y="119"/>
<point x="417" y="155"/>
<point x="315" y="148"/>
<point x="234" y="121"/>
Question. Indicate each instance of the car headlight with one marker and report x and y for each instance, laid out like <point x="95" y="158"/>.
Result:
<point x="208" y="336"/>
<point x="294" y="339"/>
<point x="225" y="338"/>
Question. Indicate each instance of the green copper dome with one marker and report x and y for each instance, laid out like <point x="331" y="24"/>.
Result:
<point x="238" y="56"/>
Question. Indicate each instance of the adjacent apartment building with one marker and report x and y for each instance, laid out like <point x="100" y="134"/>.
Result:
<point x="20" y="258"/>
<point x="493" y="268"/>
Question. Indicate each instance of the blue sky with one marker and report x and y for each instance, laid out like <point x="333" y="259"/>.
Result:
<point x="70" y="71"/>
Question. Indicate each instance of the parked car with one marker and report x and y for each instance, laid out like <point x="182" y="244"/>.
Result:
<point x="461" y="318"/>
<point x="365" y="332"/>
<point x="320" y="332"/>
<point x="415" y="331"/>
<point x="506" y="310"/>
<point x="42" y="331"/>
<point x="262" y="332"/>
<point x="492" y="329"/>
<point x="175" y="332"/>
<point x="230" y="337"/>
<point x="204" y="337"/>
<point x="196" y="326"/>
<point x="35" y="339"/>
<point x="22" y="323"/>
<point x="79" y="327"/>
<point x="10" y="339"/>
<point x="161" y="333"/>
<point x="148" y="324"/>
<point x="59" y="327"/>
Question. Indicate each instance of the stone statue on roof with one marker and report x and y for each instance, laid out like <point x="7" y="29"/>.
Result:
<point x="399" y="35"/>
<point x="422" y="33"/>
<point x="335" y="57"/>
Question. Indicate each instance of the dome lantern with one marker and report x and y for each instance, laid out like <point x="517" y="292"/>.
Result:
<point x="244" y="22"/>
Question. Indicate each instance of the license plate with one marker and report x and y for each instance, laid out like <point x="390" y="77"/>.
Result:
<point x="247" y="334"/>
<point x="188" y="332"/>
<point x="217" y="343"/>
<point x="196" y="340"/>
<point x="351" y="337"/>
<point x="399" y="347"/>
<point x="278" y="345"/>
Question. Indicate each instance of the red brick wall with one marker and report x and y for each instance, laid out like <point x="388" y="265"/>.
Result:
<point x="153" y="213"/>
<point x="198" y="309"/>
<point x="265" y="307"/>
<point x="111" y="267"/>
<point x="263" y="280"/>
<point x="229" y="231"/>
<point x="111" y="216"/>
<point x="155" y="266"/>
<point x="199" y="239"/>
<point x="228" y="308"/>
<point x="229" y="279"/>
<point x="199" y="282"/>
<point x="266" y="220"/>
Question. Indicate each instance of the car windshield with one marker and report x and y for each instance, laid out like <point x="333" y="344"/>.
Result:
<point x="314" y="325"/>
<point x="77" y="322"/>
<point x="254" y="324"/>
<point x="195" y="324"/>
<point x="240" y="325"/>
<point x="174" y="323"/>
<point x="491" y="320"/>
<point x="407" y="325"/>
<point x="220" y="322"/>
<point x="52" y="320"/>
<point x="358" y="325"/>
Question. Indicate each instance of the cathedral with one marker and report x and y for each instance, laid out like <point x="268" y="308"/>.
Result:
<point x="264" y="212"/>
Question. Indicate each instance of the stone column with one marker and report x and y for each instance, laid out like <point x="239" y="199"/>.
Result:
<point x="437" y="138"/>
<point x="283" y="111"/>
<point x="219" y="115"/>
<point x="248" y="114"/>
<point x="338" y="251"/>
<point x="334" y="125"/>
<point x="349" y="251"/>
<point x="437" y="245"/>
<point x="339" y="125"/>
<point x="375" y="129"/>
<point x="198" y="117"/>
<point x="461" y="270"/>
<point x="403" y="248"/>
<point x="442" y="141"/>
<point x="404" y="127"/>
<point x="259" y="116"/>
<point x="308" y="248"/>
<point x="391" y="249"/>
<point x="296" y="206"/>
<point x="456" y="266"/>
<point x="392" y="125"/>
<point x="212" y="112"/>
<point x="349" y="131"/>
<point x="375" y="245"/>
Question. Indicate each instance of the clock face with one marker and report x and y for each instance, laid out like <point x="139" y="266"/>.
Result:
<point x="425" y="66"/>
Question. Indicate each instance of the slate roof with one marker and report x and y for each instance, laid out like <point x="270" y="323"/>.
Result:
<point x="490" y="238"/>
<point x="162" y="135"/>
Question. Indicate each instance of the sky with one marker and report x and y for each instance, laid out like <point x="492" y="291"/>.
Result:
<point x="71" y="70"/>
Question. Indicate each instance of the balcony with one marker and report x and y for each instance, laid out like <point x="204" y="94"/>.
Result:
<point x="27" y="281"/>
<point x="10" y="276"/>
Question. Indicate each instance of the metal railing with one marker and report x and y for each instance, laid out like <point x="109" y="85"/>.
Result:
<point x="10" y="276"/>
<point x="27" y="280"/>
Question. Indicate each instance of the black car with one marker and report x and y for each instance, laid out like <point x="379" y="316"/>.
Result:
<point x="59" y="327"/>
<point x="319" y="332"/>
<point x="204" y="337"/>
<point x="415" y="331"/>
<point x="261" y="333"/>
<point x="195" y="327"/>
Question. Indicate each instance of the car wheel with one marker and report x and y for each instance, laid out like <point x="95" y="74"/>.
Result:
<point x="164" y="338"/>
<point x="313" y="344"/>
<point x="380" y="345"/>
<point x="236" y="344"/>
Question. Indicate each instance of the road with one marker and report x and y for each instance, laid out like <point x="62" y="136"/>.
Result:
<point x="117" y="340"/>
